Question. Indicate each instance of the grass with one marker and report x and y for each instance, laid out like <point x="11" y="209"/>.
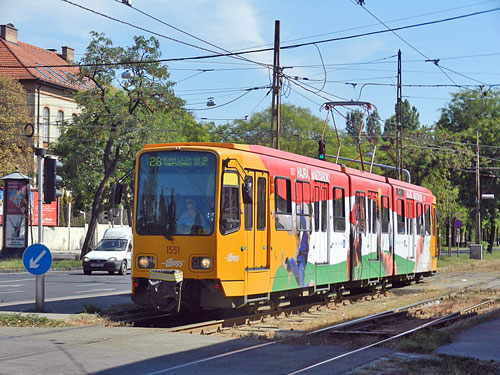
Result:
<point x="34" y="320"/>
<point x="29" y="320"/>
<point x="436" y="365"/>
<point x="462" y="262"/>
<point x="17" y="263"/>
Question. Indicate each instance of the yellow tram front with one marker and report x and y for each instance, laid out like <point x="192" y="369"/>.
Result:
<point x="174" y="230"/>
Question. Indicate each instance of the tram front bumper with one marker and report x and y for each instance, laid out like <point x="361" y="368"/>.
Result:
<point x="164" y="289"/>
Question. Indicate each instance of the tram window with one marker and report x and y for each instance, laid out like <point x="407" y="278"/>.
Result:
<point x="316" y="209"/>
<point x="385" y="214"/>
<point x="410" y="212"/>
<point x="261" y="203"/>
<point x="359" y="210"/>
<point x="303" y="204"/>
<point x="420" y="219"/>
<point x="283" y="203"/>
<point x="427" y="219"/>
<point x="372" y="211"/>
<point x="400" y="216"/>
<point x="338" y="209"/>
<point x="248" y="207"/>
<point x="434" y="220"/>
<point x="324" y="209"/>
<point x="230" y="204"/>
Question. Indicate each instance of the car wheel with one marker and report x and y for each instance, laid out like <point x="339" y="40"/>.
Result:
<point x="123" y="268"/>
<point x="87" y="272"/>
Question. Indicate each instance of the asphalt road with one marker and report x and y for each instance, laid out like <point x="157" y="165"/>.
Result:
<point x="66" y="292"/>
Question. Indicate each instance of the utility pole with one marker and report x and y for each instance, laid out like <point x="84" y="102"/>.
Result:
<point x="275" y="107"/>
<point x="399" y="122"/>
<point x="478" y="194"/>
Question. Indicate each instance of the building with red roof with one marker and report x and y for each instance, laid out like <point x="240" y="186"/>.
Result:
<point x="48" y="78"/>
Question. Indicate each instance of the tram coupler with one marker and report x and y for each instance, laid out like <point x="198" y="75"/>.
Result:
<point x="164" y="289"/>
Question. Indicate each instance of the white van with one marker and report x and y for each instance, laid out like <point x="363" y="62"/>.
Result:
<point x="112" y="253"/>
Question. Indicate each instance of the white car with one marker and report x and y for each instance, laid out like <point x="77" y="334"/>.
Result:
<point x="112" y="253"/>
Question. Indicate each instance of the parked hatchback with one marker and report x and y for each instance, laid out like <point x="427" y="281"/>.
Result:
<point x="112" y="253"/>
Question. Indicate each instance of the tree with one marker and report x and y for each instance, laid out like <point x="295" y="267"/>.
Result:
<point x="410" y="118"/>
<point x="299" y="130"/>
<point x="115" y="122"/>
<point x="15" y="146"/>
<point x="472" y="115"/>
<point x="354" y="122"/>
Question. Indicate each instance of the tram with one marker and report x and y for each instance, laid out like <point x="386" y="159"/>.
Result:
<point x="219" y="225"/>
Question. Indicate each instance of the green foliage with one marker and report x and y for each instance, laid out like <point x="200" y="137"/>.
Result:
<point x="411" y="120"/>
<point x="15" y="147"/>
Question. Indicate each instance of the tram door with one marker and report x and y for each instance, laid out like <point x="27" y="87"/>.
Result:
<point x="255" y="217"/>
<point x="374" y="234"/>
<point x="410" y="223"/>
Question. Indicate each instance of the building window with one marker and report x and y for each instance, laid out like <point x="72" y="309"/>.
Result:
<point x="60" y="117"/>
<point x="60" y="122"/>
<point x="46" y="124"/>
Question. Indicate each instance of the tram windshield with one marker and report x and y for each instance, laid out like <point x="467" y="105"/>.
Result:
<point x="176" y="193"/>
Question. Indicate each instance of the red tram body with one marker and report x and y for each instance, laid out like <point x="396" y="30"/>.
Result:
<point x="274" y="226"/>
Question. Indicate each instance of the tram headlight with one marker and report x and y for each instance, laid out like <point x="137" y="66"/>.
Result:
<point x="145" y="262"/>
<point x="201" y="263"/>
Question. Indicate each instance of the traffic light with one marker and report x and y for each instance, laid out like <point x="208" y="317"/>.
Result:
<point x="321" y="150"/>
<point x="51" y="179"/>
<point x="106" y="215"/>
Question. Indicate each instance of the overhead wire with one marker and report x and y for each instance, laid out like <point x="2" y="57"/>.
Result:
<point x="192" y="35"/>
<point x="434" y="61"/>
<point x="269" y="49"/>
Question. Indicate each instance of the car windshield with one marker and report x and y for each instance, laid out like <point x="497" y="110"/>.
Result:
<point x="176" y="193"/>
<point x="111" y="245"/>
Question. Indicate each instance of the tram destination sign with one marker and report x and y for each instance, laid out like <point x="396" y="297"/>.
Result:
<point x="165" y="160"/>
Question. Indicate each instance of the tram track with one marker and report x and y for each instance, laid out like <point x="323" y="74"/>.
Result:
<point x="375" y="319"/>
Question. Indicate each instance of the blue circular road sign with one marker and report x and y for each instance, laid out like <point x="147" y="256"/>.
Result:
<point x="458" y="224"/>
<point x="37" y="259"/>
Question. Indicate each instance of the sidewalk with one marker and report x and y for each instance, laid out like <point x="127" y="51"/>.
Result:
<point x="480" y="342"/>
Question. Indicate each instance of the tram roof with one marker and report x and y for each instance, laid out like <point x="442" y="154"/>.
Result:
<point x="263" y="150"/>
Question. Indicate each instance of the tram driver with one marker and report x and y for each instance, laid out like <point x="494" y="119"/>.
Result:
<point x="192" y="221"/>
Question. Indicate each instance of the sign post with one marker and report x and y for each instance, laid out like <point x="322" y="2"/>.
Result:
<point x="37" y="260"/>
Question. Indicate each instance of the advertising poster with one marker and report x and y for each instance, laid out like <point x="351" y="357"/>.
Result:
<point x="50" y="211"/>
<point x="17" y="212"/>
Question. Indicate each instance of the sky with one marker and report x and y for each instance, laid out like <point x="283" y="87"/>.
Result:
<point x="438" y="59"/>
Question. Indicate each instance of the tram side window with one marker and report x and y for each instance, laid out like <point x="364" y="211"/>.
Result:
<point x="420" y="220"/>
<point x="303" y="201"/>
<point x="283" y="203"/>
<point x="427" y="211"/>
<point x="248" y="207"/>
<point x="385" y="214"/>
<point x="410" y="212"/>
<point x="400" y="216"/>
<point x="372" y="211"/>
<point x="360" y="211"/>
<point x="261" y="203"/>
<point x="230" y="203"/>
<point x="338" y="209"/>
<point x="324" y="209"/>
<point x="434" y="220"/>
<point x="316" y="209"/>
